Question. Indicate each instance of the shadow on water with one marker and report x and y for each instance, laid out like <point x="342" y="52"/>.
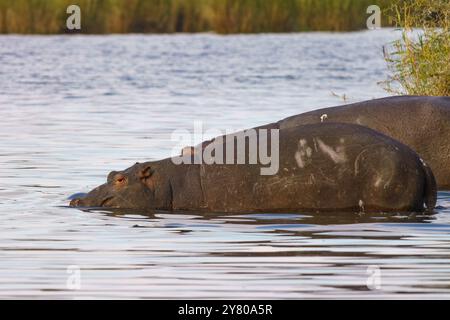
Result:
<point x="327" y="218"/>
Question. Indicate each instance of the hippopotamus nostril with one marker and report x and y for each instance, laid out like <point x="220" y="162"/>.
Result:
<point x="75" y="202"/>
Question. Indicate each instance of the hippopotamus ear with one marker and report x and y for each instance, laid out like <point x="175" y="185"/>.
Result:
<point x="145" y="171"/>
<point x="111" y="175"/>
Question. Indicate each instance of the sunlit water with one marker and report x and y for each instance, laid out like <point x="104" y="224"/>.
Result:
<point x="72" y="108"/>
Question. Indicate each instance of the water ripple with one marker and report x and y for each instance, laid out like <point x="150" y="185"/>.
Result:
<point x="74" y="108"/>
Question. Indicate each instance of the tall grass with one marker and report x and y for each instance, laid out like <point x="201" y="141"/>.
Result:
<point x="156" y="16"/>
<point x="419" y="62"/>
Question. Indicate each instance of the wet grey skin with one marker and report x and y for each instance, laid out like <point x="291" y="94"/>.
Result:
<point x="322" y="167"/>
<point x="422" y="123"/>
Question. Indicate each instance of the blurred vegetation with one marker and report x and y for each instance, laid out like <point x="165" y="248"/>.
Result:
<point x="167" y="16"/>
<point x="420" y="61"/>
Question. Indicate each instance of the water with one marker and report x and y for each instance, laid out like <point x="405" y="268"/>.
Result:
<point x="74" y="107"/>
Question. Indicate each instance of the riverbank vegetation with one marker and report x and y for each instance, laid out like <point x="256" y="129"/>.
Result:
<point x="419" y="62"/>
<point x="167" y="16"/>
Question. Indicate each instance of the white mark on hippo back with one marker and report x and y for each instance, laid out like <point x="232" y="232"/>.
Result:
<point x="378" y="181"/>
<point x="303" y="153"/>
<point x="423" y="162"/>
<point x="361" y="205"/>
<point x="323" y="117"/>
<point x="299" y="159"/>
<point x="308" y="152"/>
<point x="302" y="143"/>
<point x="337" y="155"/>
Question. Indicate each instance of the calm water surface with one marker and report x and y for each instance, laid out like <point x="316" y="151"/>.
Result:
<point x="72" y="108"/>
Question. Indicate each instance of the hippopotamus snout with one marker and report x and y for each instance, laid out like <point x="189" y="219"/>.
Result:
<point x="76" y="199"/>
<point x="83" y="202"/>
<point x="98" y="197"/>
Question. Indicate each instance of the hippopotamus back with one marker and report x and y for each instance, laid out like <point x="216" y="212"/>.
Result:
<point x="324" y="167"/>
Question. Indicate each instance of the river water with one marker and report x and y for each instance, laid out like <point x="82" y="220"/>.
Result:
<point x="73" y="108"/>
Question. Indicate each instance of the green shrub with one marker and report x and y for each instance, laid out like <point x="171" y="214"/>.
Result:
<point x="419" y="62"/>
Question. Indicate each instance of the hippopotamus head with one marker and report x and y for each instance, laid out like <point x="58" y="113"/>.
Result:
<point x="130" y="189"/>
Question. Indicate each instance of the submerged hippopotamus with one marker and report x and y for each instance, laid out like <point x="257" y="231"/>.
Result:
<point x="321" y="167"/>
<point x="422" y="123"/>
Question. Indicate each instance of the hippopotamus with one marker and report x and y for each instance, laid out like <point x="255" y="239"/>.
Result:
<point x="321" y="167"/>
<point x="422" y="123"/>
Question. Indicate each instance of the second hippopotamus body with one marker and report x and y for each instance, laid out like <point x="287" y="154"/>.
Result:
<point x="422" y="123"/>
<point x="321" y="167"/>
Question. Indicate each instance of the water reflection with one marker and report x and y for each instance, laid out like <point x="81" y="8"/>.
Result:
<point x="295" y="255"/>
<point x="292" y="220"/>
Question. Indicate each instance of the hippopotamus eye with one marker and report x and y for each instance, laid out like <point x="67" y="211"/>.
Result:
<point x="120" y="179"/>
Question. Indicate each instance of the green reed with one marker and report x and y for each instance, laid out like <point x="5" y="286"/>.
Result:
<point x="420" y="63"/>
<point x="167" y="16"/>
